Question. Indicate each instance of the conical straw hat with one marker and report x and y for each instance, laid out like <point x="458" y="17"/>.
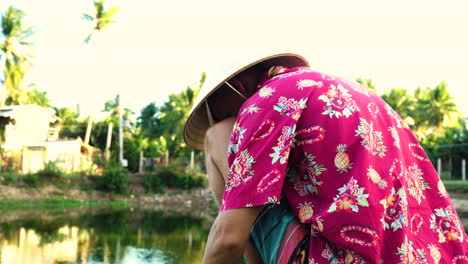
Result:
<point x="197" y="123"/>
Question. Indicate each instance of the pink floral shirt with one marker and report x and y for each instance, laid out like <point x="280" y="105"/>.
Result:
<point x="349" y="166"/>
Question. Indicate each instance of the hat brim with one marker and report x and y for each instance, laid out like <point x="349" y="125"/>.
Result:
<point x="197" y="123"/>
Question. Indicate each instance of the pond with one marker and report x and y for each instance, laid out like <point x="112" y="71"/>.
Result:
<point x="92" y="236"/>
<point x="103" y="236"/>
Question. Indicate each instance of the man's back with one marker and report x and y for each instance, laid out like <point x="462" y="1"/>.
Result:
<point x="349" y="167"/>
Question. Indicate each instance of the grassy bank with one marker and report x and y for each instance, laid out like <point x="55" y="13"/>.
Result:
<point x="112" y="180"/>
<point x="57" y="204"/>
<point x="456" y="186"/>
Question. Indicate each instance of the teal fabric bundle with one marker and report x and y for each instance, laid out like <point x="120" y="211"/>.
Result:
<point x="267" y="232"/>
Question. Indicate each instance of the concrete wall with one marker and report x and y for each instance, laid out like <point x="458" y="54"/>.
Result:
<point x="65" y="153"/>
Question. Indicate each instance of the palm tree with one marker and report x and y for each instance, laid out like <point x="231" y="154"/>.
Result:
<point x="102" y="18"/>
<point x="173" y="115"/>
<point x="148" y="120"/>
<point x="15" y="51"/>
<point x="402" y="102"/>
<point x="34" y="96"/>
<point x="111" y="107"/>
<point x="71" y="126"/>
<point x="435" y="106"/>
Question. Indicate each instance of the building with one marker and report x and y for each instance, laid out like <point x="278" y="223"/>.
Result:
<point x="29" y="141"/>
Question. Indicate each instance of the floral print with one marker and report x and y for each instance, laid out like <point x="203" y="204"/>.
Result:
<point x="241" y="170"/>
<point x="236" y="138"/>
<point x="339" y="102"/>
<point x="372" y="140"/>
<point x="444" y="223"/>
<point x="305" y="176"/>
<point x="251" y="109"/>
<point x="410" y="255"/>
<point x="416" y="183"/>
<point x="290" y="107"/>
<point x="281" y="150"/>
<point x="350" y="197"/>
<point x="312" y="168"/>
<point x="395" y="210"/>
<point x="350" y="169"/>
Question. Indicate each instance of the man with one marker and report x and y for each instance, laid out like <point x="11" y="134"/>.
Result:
<point x="346" y="164"/>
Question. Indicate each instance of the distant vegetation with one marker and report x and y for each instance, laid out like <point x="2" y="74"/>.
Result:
<point x="430" y="112"/>
<point x="114" y="179"/>
<point x="56" y="204"/>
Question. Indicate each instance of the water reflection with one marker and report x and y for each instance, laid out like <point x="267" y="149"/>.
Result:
<point x="104" y="237"/>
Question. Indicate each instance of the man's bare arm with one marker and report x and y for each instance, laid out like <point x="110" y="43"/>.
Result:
<point x="216" y="145"/>
<point x="229" y="236"/>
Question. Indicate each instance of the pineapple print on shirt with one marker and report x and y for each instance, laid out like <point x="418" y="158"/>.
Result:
<point x="375" y="178"/>
<point x="305" y="211"/>
<point x="342" y="162"/>
<point x="435" y="253"/>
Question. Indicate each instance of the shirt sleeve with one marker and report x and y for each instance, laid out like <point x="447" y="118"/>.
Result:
<point x="260" y="145"/>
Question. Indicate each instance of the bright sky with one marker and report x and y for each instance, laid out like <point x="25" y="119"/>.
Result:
<point x="160" y="47"/>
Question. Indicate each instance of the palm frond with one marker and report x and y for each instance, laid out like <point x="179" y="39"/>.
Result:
<point x="87" y="17"/>
<point x="99" y="8"/>
<point x="88" y="38"/>
<point x="110" y="12"/>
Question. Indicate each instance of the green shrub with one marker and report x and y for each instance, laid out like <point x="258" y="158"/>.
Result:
<point x="114" y="179"/>
<point x="173" y="176"/>
<point x="197" y="180"/>
<point x="153" y="183"/>
<point x="31" y="179"/>
<point x="168" y="175"/>
<point x="8" y="178"/>
<point x="51" y="172"/>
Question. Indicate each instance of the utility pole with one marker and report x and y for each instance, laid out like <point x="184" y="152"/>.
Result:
<point x="463" y="169"/>
<point x="109" y="140"/>
<point x="121" y="159"/>
<point x="167" y="158"/>
<point x="140" y="164"/>
<point x="88" y="130"/>
<point x="192" y="160"/>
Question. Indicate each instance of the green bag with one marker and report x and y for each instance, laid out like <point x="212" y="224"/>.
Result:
<point x="268" y="232"/>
